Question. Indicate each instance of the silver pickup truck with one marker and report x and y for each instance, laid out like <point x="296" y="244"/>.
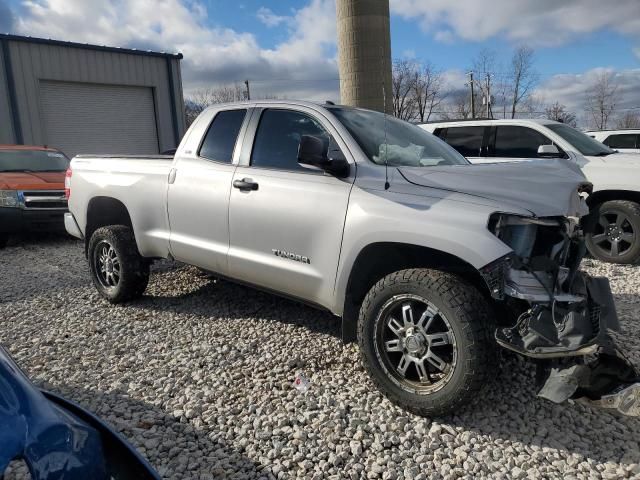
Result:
<point x="432" y="263"/>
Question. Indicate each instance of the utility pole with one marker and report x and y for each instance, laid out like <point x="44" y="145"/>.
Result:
<point x="488" y="88"/>
<point x="473" y="97"/>
<point x="246" y="82"/>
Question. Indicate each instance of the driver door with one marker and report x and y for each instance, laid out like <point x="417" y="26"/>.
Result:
<point x="286" y="221"/>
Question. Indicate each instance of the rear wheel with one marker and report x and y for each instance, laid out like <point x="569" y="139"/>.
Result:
<point x="425" y="340"/>
<point x="118" y="271"/>
<point x="616" y="237"/>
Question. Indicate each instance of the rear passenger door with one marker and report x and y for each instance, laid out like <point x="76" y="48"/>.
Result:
<point x="286" y="221"/>
<point x="199" y="187"/>
<point x="469" y="141"/>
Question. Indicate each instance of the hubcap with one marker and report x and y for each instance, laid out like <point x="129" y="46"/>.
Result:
<point x="107" y="265"/>
<point x="415" y="344"/>
<point x="614" y="234"/>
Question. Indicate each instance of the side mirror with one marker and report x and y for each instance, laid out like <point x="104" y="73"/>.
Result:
<point x="548" y="151"/>
<point x="313" y="152"/>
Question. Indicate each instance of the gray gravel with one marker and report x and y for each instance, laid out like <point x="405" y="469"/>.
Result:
<point x="198" y="376"/>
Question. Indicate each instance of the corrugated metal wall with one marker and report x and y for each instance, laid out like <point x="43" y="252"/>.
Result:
<point x="32" y="62"/>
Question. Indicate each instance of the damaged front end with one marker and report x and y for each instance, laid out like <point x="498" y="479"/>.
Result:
<point x="562" y="315"/>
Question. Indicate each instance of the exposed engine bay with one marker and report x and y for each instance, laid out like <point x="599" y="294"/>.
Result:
<point x="562" y="315"/>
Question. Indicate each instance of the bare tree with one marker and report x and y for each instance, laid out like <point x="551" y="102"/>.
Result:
<point x="200" y="99"/>
<point x="558" y="112"/>
<point x="428" y="91"/>
<point x="460" y="106"/>
<point x="629" y="120"/>
<point x="523" y="76"/>
<point x="602" y="97"/>
<point x="404" y="103"/>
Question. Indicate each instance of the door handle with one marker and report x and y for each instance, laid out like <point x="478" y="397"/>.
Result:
<point x="245" y="184"/>
<point x="172" y="175"/>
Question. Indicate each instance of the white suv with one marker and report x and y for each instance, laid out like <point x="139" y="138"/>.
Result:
<point x="626" y="140"/>
<point x="615" y="176"/>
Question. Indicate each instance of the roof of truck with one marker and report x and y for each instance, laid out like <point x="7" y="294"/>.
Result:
<point x="508" y="121"/>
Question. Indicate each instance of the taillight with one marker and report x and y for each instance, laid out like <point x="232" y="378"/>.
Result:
<point x="67" y="183"/>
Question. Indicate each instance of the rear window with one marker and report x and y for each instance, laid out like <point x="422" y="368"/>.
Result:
<point x="32" y="161"/>
<point x="466" y="140"/>
<point x="221" y="137"/>
<point x="623" y="140"/>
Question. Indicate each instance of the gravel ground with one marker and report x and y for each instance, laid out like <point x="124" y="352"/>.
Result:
<point x="198" y="376"/>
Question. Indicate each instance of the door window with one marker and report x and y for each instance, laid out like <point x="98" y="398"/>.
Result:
<point x="222" y="135"/>
<point x="466" y="140"/>
<point x="623" y="140"/>
<point x="278" y="138"/>
<point x="518" y="142"/>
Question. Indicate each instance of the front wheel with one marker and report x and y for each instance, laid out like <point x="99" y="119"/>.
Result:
<point x="118" y="271"/>
<point x="425" y="340"/>
<point x="616" y="237"/>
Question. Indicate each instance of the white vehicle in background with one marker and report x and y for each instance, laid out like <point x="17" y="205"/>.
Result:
<point x="624" y="141"/>
<point x="615" y="176"/>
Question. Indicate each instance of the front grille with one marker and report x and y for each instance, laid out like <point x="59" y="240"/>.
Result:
<point x="43" y="199"/>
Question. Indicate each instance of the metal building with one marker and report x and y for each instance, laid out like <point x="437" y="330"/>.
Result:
<point x="89" y="99"/>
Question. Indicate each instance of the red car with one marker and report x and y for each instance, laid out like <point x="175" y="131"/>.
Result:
<point x="32" y="194"/>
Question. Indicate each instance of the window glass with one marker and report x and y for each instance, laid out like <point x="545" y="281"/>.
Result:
<point x="623" y="140"/>
<point x="278" y="138"/>
<point x="518" y="142"/>
<point x="578" y="140"/>
<point x="33" y="160"/>
<point x="385" y="139"/>
<point x="221" y="138"/>
<point x="466" y="140"/>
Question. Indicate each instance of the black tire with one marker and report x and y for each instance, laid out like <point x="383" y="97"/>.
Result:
<point x="464" y="312"/>
<point x="616" y="238"/>
<point x="4" y="239"/>
<point x="132" y="272"/>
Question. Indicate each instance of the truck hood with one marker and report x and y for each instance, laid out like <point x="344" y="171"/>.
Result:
<point x="546" y="188"/>
<point x="32" y="180"/>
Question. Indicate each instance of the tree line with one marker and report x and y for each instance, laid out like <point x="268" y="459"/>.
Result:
<point x="420" y="92"/>
<point x="493" y="90"/>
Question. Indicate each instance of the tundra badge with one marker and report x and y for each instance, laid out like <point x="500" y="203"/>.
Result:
<point x="290" y="256"/>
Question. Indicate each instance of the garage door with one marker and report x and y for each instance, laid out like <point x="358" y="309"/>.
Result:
<point x="98" y="119"/>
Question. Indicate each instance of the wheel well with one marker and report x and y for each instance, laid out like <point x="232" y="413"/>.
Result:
<point x="380" y="259"/>
<point x="103" y="211"/>
<point x="606" y="195"/>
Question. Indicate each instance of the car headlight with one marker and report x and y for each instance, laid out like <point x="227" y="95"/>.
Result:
<point x="9" y="198"/>
<point x="521" y="233"/>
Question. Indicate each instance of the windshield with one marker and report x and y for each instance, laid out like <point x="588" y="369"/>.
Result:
<point x="403" y="144"/>
<point x="581" y="142"/>
<point x="32" y="161"/>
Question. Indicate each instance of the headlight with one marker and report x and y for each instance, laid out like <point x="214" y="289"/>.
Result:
<point x="521" y="233"/>
<point x="9" y="198"/>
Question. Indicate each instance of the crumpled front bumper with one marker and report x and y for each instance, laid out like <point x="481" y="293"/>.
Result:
<point x="569" y="337"/>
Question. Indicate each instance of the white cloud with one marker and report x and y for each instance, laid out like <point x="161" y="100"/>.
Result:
<point x="270" y="19"/>
<point x="300" y="66"/>
<point x="571" y="89"/>
<point x="409" y="53"/>
<point x="538" y="22"/>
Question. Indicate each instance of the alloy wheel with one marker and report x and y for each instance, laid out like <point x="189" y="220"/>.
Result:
<point x="614" y="234"/>
<point x="107" y="265"/>
<point x="415" y="344"/>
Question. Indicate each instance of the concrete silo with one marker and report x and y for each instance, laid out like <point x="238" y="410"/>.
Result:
<point x="364" y="53"/>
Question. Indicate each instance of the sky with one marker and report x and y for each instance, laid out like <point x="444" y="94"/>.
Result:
<point x="288" y="48"/>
